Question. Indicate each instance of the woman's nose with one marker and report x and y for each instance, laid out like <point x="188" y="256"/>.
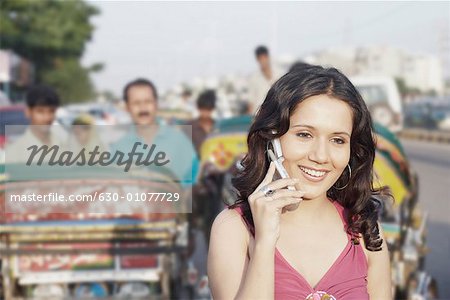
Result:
<point x="319" y="152"/>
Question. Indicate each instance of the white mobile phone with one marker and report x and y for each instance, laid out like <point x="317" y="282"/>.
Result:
<point x="284" y="174"/>
<point x="279" y="166"/>
<point x="278" y="159"/>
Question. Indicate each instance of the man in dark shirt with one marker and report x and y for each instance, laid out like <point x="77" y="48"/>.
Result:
<point x="204" y="124"/>
<point x="204" y="204"/>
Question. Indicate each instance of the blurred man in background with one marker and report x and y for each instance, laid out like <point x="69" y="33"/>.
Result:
<point x="42" y="102"/>
<point x="261" y="81"/>
<point x="204" y="205"/>
<point x="204" y="124"/>
<point x="141" y="99"/>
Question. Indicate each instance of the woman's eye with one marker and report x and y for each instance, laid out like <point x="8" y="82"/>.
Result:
<point x="303" y="135"/>
<point x="339" y="141"/>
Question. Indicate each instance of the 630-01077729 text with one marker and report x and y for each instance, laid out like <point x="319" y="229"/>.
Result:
<point x="96" y="196"/>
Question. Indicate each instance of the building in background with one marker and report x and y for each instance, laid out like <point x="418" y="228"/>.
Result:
<point x="423" y="72"/>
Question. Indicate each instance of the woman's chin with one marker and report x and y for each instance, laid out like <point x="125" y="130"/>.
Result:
<point x="311" y="195"/>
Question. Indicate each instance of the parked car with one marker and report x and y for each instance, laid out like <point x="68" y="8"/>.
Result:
<point x="428" y="113"/>
<point x="443" y="111"/>
<point x="422" y="115"/>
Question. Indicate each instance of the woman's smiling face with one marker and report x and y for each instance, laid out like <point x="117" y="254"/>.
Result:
<point x="316" y="147"/>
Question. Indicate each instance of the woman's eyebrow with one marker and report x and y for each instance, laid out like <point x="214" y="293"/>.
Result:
<point x="303" y="125"/>
<point x="312" y="127"/>
<point x="342" y="132"/>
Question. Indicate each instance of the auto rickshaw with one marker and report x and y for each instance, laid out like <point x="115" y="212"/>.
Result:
<point x="129" y="250"/>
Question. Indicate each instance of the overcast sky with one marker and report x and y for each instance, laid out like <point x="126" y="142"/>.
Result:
<point x="172" y="42"/>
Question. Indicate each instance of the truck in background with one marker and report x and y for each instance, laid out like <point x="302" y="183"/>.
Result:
<point x="382" y="98"/>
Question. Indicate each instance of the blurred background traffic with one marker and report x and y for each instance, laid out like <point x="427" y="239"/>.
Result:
<point x="212" y="63"/>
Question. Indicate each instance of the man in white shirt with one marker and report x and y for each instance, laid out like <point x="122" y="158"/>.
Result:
<point x="261" y="81"/>
<point x="42" y="103"/>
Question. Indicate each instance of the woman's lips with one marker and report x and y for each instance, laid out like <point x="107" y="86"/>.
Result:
<point x="313" y="175"/>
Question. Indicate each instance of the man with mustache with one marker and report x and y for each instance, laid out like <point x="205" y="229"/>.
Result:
<point x="141" y="99"/>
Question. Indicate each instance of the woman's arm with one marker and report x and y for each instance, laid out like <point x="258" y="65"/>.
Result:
<point x="231" y="275"/>
<point x="379" y="273"/>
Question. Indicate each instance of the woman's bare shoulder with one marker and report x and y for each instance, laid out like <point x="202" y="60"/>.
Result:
<point x="229" y="220"/>
<point x="229" y="234"/>
<point x="227" y="254"/>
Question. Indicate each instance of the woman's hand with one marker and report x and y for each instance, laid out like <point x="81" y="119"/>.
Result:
<point x="266" y="209"/>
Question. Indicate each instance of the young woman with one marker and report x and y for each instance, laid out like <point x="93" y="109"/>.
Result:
<point x="321" y="240"/>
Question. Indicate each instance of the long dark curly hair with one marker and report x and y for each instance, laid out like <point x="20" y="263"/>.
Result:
<point x="359" y="198"/>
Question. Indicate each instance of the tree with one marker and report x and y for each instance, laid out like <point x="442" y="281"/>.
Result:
<point x="70" y="80"/>
<point x="401" y="85"/>
<point x="404" y="89"/>
<point x="53" y="35"/>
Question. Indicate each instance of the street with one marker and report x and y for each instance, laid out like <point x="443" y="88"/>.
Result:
<point x="432" y="162"/>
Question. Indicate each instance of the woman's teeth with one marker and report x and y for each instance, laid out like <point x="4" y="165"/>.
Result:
<point x="312" y="172"/>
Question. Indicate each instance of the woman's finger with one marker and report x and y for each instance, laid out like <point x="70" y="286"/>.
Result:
<point x="268" y="178"/>
<point x="282" y="202"/>
<point x="282" y="183"/>
<point x="285" y="193"/>
<point x="276" y="185"/>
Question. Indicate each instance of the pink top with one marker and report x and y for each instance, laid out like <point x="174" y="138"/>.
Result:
<point x="346" y="278"/>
